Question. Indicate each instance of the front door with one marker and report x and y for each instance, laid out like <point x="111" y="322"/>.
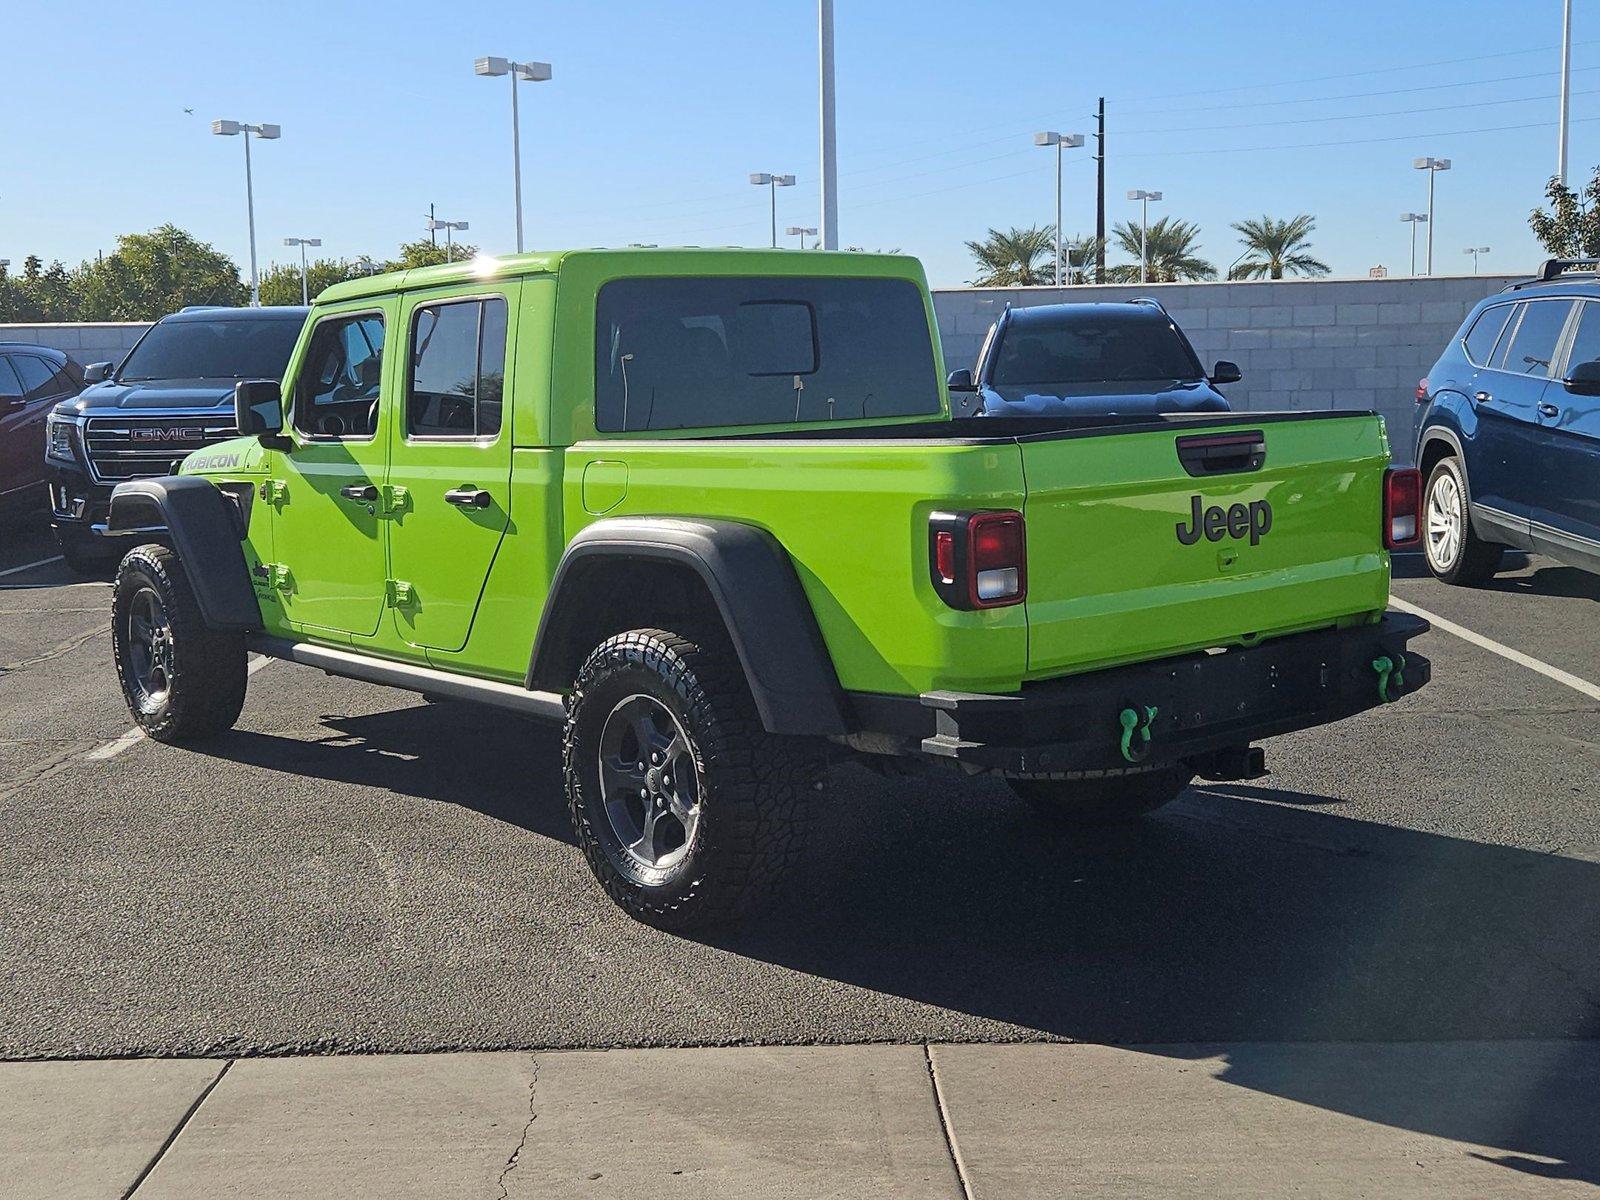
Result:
<point x="327" y="490"/>
<point x="450" y="462"/>
<point x="1506" y="464"/>
<point x="28" y="392"/>
<point x="1566" y="517"/>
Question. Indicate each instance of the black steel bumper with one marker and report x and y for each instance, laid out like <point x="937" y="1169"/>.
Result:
<point x="1206" y="705"/>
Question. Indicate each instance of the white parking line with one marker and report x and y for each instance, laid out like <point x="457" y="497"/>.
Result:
<point x="134" y="736"/>
<point x="1582" y="686"/>
<point x="43" y="562"/>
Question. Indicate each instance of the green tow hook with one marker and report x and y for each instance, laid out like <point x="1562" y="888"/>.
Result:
<point x="1391" y="676"/>
<point x="1136" y="728"/>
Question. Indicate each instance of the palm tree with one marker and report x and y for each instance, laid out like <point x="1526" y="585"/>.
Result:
<point x="1012" y="258"/>
<point x="1171" y="252"/>
<point x="1277" y="248"/>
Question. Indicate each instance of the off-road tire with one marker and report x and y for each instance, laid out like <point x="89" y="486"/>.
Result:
<point x="1475" y="560"/>
<point x="85" y="559"/>
<point x="752" y="791"/>
<point x="1107" y="800"/>
<point x="204" y="689"/>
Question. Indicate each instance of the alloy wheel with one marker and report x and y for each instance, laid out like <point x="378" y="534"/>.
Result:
<point x="649" y="782"/>
<point x="1446" y="521"/>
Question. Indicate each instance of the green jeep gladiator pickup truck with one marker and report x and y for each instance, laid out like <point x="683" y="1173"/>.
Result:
<point x="710" y="511"/>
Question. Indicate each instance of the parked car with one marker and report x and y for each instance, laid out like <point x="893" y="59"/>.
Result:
<point x="171" y="394"/>
<point x="709" y="510"/>
<point x="33" y="379"/>
<point x="1508" y="438"/>
<point x="1065" y="359"/>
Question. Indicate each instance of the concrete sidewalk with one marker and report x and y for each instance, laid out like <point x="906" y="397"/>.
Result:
<point x="991" y="1121"/>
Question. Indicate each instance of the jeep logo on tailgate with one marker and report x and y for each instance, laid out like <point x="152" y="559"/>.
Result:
<point x="1216" y="523"/>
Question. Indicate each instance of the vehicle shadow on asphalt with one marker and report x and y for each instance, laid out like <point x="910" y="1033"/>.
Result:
<point x="1224" y="919"/>
<point x="1241" y="914"/>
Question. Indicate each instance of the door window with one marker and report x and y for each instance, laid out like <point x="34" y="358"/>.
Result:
<point x="1586" y="341"/>
<point x="336" y="393"/>
<point x="10" y="386"/>
<point x="458" y="356"/>
<point x="38" y="378"/>
<point x="1533" y="346"/>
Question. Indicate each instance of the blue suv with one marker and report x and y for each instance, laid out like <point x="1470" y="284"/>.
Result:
<point x="1509" y="440"/>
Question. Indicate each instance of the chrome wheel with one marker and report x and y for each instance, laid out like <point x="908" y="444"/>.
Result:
<point x="149" y="642"/>
<point x="649" y="782"/>
<point x="1446" y="521"/>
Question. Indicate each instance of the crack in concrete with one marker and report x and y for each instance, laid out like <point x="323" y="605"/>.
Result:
<point x="516" y="1155"/>
<point x="952" y="1147"/>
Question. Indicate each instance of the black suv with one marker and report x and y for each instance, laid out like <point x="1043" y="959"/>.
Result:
<point x="172" y="394"/>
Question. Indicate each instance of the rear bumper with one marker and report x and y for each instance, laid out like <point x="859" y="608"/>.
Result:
<point x="1204" y="703"/>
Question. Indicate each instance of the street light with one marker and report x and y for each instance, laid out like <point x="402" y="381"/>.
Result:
<point x="1475" y="251"/>
<point x="303" y="243"/>
<point x="1061" y="141"/>
<point x="801" y="232"/>
<point x="266" y="133"/>
<point x="772" y="183"/>
<point x="533" y="72"/>
<point x="1432" y="166"/>
<point x="449" y="242"/>
<point x="1144" y="230"/>
<point x="1414" y="219"/>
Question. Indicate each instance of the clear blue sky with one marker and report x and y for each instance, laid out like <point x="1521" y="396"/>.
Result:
<point x="658" y="111"/>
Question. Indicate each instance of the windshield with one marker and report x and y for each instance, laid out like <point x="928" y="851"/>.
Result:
<point x="1094" y="349"/>
<point x="223" y="348"/>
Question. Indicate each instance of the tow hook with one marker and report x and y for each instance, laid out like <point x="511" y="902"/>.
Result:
<point x="1391" y="676"/>
<point x="1135" y="722"/>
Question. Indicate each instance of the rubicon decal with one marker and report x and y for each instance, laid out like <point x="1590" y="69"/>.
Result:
<point x="1251" y="520"/>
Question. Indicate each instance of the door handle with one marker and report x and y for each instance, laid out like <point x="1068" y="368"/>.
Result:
<point x="363" y="493"/>
<point x="468" y="497"/>
<point x="1483" y="397"/>
<point x="1549" y="410"/>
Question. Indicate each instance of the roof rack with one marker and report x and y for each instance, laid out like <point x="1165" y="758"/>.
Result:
<point x="1152" y="302"/>
<point x="1555" y="269"/>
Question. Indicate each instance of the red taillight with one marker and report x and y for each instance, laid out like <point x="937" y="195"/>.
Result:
<point x="1422" y="391"/>
<point x="979" y="560"/>
<point x="1402" y="508"/>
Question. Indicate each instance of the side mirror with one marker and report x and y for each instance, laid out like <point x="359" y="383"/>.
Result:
<point x="258" y="407"/>
<point x="1583" y="379"/>
<point x="961" y="381"/>
<point x="96" y="373"/>
<point x="1226" y="372"/>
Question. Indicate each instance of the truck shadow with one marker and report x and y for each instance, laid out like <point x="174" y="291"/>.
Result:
<point x="1243" y="914"/>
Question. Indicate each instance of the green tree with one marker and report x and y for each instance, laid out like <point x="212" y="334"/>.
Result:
<point x="281" y="282"/>
<point x="1172" y="252"/>
<point x="1016" y="258"/>
<point x="152" y="274"/>
<point x="1571" y="228"/>
<point x="423" y="253"/>
<point x="1277" y="248"/>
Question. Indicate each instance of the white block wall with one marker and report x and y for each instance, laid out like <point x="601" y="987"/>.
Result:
<point x="86" y="341"/>
<point x="1302" y="344"/>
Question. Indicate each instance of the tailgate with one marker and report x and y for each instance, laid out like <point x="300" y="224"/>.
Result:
<point x="1144" y="544"/>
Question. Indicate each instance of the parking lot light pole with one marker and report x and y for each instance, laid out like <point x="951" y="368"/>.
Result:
<point x="1475" y="251"/>
<point x="449" y="227"/>
<point x="1414" y="219"/>
<point x="533" y="72"/>
<point x="1144" y="230"/>
<point x="801" y="232"/>
<point x="1061" y="141"/>
<point x="772" y="183"/>
<point x="1432" y="166"/>
<point x="266" y="133"/>
<point x="303" y="243"/>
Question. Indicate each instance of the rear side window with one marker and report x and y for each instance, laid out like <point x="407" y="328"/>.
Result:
<point x="38" y="377"/>
<point x="685" y="353"/>
<point x="1485" y="332"/>
<point x="1586" y="341"/>
<point x="1533" y="344"/>
<point x="458" y="355"/>
<point x="336" y="394"/>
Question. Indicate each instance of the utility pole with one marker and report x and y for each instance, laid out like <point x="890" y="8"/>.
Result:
<point x="1100" y="194"/>
<point x="433" y="227"/>
<point x="1566" y="91"/>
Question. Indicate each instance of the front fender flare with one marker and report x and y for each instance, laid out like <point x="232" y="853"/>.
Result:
<point x="757" y="593"/>
<point x="203" y="529"/>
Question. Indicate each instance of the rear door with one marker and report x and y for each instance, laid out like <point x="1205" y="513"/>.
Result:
<point x="1566" y="513"/>
<point x="1191" y="535"/>
<point x="1507" y="452"/>
<point x="451" y="453"/>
